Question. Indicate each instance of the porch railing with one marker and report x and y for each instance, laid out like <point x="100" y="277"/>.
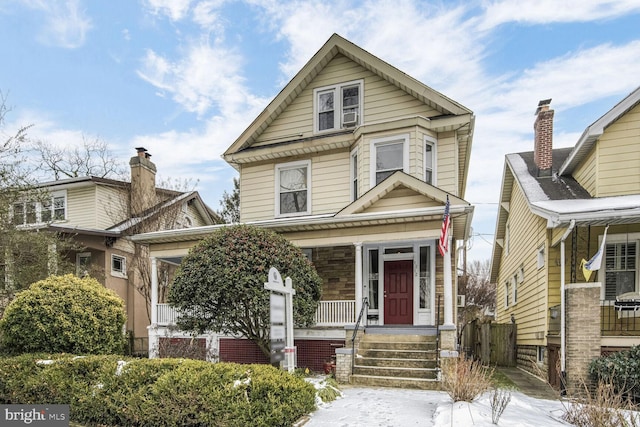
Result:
<point x="620" y="318"/>
<point x="328" y="313"/>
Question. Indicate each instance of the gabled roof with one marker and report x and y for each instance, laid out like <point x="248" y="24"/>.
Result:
<point x="595" y="130"/>
<point x="334" y="46"/>
<point x="396" y="180"/>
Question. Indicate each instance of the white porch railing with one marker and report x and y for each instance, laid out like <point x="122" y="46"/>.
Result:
<point x="328" y="313"/>
<point x="336" y="313"/>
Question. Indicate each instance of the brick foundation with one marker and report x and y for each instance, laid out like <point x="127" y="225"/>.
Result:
<point x="310" y="353"/>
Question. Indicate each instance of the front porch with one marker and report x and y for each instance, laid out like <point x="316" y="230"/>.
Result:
<point x="328" y="314"/>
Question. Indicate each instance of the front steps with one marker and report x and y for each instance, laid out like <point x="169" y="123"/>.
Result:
<point x="394" y="360"/>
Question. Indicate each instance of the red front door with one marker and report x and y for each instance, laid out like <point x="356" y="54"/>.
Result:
<point x="398" y="292"/>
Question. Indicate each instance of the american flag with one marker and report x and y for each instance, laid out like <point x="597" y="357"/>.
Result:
<point x="443" y="245"/>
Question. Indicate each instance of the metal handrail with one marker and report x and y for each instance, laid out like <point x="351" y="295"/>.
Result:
<point x="365" y="307"/>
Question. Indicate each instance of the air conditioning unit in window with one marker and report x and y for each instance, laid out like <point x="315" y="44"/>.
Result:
<point x="349" y="119"/>
<point x="460" y="300"/>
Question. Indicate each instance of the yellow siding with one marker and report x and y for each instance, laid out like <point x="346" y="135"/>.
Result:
<point x="382" y="101"/>
<point x="527" y="232"/>
<point x="447" y="163"/>
<point x="330" y="186"/>
<point x="401" y="198"/>
<point x="81" y="207"/>
<point x="587" y="172"/>
<point x="619" y="157"/>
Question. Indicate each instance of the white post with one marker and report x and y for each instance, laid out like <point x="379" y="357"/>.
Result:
<point x="358" y="279"/>
<point x="154" y="290"/>
<point x="290" y="347"/>
<point x="563" y="371"/>
<point x="448" y="289"/>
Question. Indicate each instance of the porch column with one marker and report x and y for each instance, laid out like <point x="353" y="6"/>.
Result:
<point x="448" y="289"/>
<point x="358" y="279"/>
<point x="154" y="290"/>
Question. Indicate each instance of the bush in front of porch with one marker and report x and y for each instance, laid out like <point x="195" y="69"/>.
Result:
<point x="219" y="285"/>
<point x="111" y="390"/>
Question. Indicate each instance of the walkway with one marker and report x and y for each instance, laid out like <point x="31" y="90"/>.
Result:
<point x="530" y="385"/>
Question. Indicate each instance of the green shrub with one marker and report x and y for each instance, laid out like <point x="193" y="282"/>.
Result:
<point x="159" y="392"/>
<point x="621" y="369"/>
<point x="64" y="314"/>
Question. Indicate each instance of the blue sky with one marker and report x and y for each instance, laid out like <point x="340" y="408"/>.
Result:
<point x="183" y="78"/>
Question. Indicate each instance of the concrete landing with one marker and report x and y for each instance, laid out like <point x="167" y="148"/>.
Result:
<point x="530" y="385"/>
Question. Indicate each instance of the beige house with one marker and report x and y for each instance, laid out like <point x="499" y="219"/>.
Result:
<point x="353" y="162"/>
<point x="99" y="214"/>
<point x="555" y="207"/>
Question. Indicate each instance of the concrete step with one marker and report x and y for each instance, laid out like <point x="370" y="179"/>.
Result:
<point x="396" y="362"/>
<point x="396" y="372"/>
<point x="398" y="345"/>
<point x="383" y="353"/>
<point x="396" y="338"/>
<point x="415" y="383"/>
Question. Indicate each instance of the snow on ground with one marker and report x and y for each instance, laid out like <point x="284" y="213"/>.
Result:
<point x="399" y="407"/>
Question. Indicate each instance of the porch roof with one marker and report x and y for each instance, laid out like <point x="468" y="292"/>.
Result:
<point x="320" y="222"/>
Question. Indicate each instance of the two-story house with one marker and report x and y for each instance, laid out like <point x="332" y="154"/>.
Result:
<point x="98" y="215"/>
<point x="352" y="161"/>
<point x="556" y="208"/>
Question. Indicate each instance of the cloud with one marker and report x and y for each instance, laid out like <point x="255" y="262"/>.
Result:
<point x="66" y="24"/>
<point x="552" y="11"/>
<point x="175" y="10"/>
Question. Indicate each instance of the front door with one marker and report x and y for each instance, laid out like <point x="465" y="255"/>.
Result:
<point x="398" y="292"/>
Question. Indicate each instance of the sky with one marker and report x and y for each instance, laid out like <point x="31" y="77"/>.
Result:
<point x="184" y="78"/>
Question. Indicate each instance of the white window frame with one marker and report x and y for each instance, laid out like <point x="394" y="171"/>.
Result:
<point x="541" y="256"/>
<point x="616" y="239"/>
<point x="292" y="165"/>
<point x="337" y="104"/>
<point x="507" y="293"/>
<point x="123" y="262"/>
<point x="514" y="289"/>
<point x="375" y="143"/>
<point x="353" y="176"/>
<point x="51" y="196"/>
<point x="430" y="141"/>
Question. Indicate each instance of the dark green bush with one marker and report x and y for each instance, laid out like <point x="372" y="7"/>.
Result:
<point x="159" y="392"/>
<point x="64" y="314"/>
<point x="621" y="369"/>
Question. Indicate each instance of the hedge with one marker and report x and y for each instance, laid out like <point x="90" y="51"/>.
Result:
<point x="111" y="390"/>
<point x="621" y="369"/>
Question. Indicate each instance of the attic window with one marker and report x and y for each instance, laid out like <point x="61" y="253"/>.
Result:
<point x="338" y="106"/>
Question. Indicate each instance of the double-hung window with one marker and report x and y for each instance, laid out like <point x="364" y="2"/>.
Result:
<point x="118" y="266"/>
<point x="389" y="155"/>
<point x="430" y="160"/>
<point x="293" y="188"/>
<point x="338" y="106"/>
<point x="354" y="175"/>
<point x="620" y="268"/>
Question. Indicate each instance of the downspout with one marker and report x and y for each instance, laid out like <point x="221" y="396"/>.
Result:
<point x="563" y="372"/>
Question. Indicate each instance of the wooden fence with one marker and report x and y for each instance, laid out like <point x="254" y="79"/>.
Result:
<point x="492" y="343"/>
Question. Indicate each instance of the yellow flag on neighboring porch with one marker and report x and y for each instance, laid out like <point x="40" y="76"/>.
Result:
<point x="596" y="261"/>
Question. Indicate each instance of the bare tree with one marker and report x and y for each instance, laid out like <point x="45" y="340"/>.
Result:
<point x="230" y="203"/>
<point x="480" y="294"/>
<point x="93" y="158"/>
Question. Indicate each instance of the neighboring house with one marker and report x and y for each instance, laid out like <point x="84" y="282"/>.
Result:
<point x="353" y="162"/>
<point x="555" y="205"/>
<point x="99" y="214"/>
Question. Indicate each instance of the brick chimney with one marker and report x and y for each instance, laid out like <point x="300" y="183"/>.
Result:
<point x="143" y="182"/>
<point x="543" y="139"/>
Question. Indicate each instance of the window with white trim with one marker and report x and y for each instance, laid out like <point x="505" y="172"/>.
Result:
<point x="51" y="208"/>
<point x="389" y="155"/>
<point x="338" y="106"/>
<point x="541" y="256"/>
<point x="293" y="188"/>
<point x="429" y="160"/>
<point x="354" y="175"/>
<point x="620" y="267"/>
<point x="507" y="293"/>
<point x="425" y="276"/>
<point x="118" y="266"/>
<point x="514" y="287"/>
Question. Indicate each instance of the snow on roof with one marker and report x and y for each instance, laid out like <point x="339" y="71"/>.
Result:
<point x="595" y="205"/>
<point x="529" y="183"/>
